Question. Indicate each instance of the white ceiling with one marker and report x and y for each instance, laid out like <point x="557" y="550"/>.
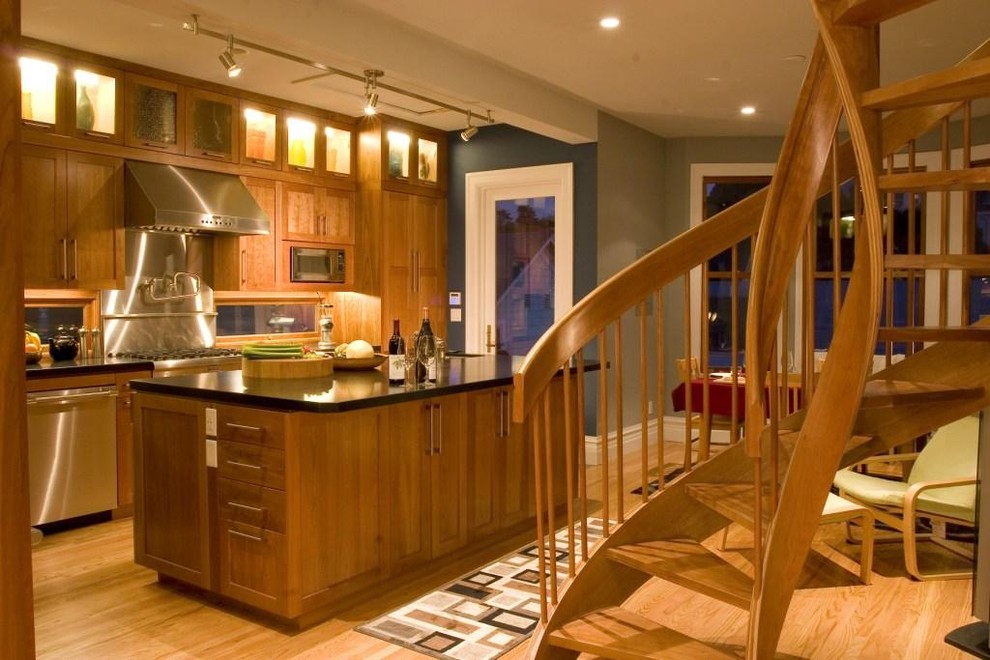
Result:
<point x="674" y="67"/>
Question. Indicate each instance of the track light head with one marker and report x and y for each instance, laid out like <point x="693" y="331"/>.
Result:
<point x="227" y="59"/>
<point x="371" y="91"/>
<point x="371" y="104"/>
<point x="469" y="133"/>
<point x="232" y="67"/>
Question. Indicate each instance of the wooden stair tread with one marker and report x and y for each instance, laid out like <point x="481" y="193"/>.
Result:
<point x="881" y="393"/>
<point x="969" y="179"/>
<point x="964" y="81"/>
<point x="689" y="564"/>
<point x="935" y="333"/>
<point x="872" y="12"/>
<point x="618" y="633"/>
<point x="937" y="261"/>
<point x="734" y="501"/>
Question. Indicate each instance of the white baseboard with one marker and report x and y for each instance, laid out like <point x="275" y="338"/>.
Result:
<point x="673" y="429"/>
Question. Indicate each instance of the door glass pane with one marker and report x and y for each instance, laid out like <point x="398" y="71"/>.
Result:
<point x="338" y="150"/>
<point x="259" y="135"/>
<point x="38" y="83"/>
<point x="96" y="102"/>
<point x="155" y="114"/>
<point x="398" y="154"/>
<point x="302" y="142"/>
<point x="427" y="160"/>
<point x="212" y="126"/>
<point x="524" y="272"/>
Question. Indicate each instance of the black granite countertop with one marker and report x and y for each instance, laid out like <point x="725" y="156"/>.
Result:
<point x="85" y="366"/>
<point x="344" y="390"/>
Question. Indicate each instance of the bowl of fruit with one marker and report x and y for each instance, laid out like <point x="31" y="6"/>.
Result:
<point x="32" y="347"/>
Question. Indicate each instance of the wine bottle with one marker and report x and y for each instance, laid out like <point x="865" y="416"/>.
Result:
<point x="426" y="350"/>
<point x="396" y="356"/>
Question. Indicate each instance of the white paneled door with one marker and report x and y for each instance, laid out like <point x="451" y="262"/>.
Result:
<point x="518" y="255"/>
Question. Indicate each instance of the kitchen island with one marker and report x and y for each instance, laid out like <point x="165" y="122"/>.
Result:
<point x="291" y="495"/>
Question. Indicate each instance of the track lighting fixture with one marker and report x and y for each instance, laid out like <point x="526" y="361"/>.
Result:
<point x="370" y="91"/>
<point x="227" y="59"/>
<point x="470" y="131"/>
<point x="369" y="78"/>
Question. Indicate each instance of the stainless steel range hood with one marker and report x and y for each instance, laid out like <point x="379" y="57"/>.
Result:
<point x="170" y="198"/>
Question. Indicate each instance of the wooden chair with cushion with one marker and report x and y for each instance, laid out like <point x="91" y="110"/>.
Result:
<point x="940" y="487"/>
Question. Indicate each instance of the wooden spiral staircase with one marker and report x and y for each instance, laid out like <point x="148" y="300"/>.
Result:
<point x="775" y="480"/>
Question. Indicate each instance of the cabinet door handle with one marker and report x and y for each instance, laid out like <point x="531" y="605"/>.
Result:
<point x="243" y="427"/>
<point x="243" y="266"/>
<point x="75" y="259"/>
<point x="243" y="465"/>
<point x="213" y="154"/>
<point x="65" y="258"/>
<point x="439" y="428"/>
<point x="39" y="124"/>
<point x="430" y="451"/>
<point x="97" y="134"/>
<point x="156" y="145"/>
<point x="246" y="536"/>
<point x="247" y="507"/>
<point x="501" y="416"/>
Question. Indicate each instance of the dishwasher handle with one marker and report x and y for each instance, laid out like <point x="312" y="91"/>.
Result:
<point x="71" y="396"/>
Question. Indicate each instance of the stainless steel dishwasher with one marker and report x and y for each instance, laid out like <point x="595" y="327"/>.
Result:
<point x="72" y="452"/>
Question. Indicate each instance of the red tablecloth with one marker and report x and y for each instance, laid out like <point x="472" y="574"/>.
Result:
<point x="719" y="397"/>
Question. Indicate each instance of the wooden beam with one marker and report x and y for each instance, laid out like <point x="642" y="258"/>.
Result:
<point x="937" y="261"/>
<point x="16" y="595"/>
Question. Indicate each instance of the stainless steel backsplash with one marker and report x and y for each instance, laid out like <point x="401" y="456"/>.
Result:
<point x="167" y="301"/>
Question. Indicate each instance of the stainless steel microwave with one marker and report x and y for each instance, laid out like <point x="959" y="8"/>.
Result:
<point x="320" y="265"/>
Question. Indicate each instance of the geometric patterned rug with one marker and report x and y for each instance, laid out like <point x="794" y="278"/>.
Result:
<point x="481" y="615"/>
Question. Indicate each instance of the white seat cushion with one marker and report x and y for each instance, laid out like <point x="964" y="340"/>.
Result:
<point x="956" y="502"/>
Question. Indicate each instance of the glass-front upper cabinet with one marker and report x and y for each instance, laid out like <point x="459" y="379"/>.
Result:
<point x="300" y="140"/>
<point x="40" y="96"/>
<point x="413" y="159"/>
<point x="338" y="151"/>
<point x="96" y="94"/>
<point x="211" y="125"/>
<point x="153" y="117"/>
<point x="260" y="144"/>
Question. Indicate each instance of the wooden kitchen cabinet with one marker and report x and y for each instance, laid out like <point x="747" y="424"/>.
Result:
<point x="125" y="442"/>
<point x="171" y="503"/>
<point x="154" y="114"/>
<point x="427" y="450"/>
<point x="499" y="464"/>
<point x="415" y="262"/>
<point x="316" y="214"/>
<point x="212" y="125"/>
<point x="260" y="135"/>
<point x="248" y="263"/>
<point x="74" y="219"/>
<point x="413" y="158"/>
<point x="95" y="102"/>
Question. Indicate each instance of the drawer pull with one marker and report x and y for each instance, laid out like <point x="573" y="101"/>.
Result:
<point x="243" y="427"/>
<point x="247" y="507"/>
<point x="246" y="536"/>
<point x="243" y="465"/>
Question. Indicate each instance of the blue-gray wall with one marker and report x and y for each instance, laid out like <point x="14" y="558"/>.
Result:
<point x="501" y="147"/>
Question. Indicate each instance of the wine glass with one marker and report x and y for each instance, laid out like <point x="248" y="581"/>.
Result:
<point x="410" y="360"/>
<point x="426" y="353"/>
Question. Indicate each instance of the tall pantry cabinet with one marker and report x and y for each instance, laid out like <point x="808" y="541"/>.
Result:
<point x="402" y="223"/>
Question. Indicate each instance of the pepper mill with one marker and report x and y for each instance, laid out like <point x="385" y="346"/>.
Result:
<point x="326" y="328"/>
<point x="83" y="343"/>
<point x="97" y="343"/>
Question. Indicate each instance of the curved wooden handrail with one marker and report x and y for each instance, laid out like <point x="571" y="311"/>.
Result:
<point x="832" y="411"/>
<point x="627" y="288"/>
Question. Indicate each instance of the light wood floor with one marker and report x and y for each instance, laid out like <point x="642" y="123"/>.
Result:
<point x="92" y="601"/>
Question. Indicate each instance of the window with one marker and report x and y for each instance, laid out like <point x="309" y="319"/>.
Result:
<point x="721" y="192"/>
<point x="978" y="239"/>
<point x="835" y="251"/>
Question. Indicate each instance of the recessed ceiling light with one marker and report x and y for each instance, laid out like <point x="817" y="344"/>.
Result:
<point x="713" y="79"/>
<point x="747" y="110"/>
<point x="609" y="22"/>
